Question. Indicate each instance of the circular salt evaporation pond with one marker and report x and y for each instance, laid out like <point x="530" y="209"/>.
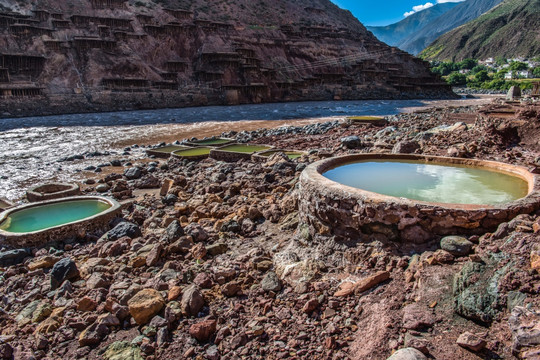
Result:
<point x="417" y="180"/>
<point x="46" y="216"/>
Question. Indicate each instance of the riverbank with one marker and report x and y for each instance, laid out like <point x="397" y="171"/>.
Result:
<point x="31" y="149"/>
<point x="216" y="267"/>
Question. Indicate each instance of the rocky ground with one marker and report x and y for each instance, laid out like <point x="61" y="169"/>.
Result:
<point x="199" y="265"/>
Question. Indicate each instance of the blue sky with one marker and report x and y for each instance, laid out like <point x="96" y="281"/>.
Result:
<point x="371" y="12"/>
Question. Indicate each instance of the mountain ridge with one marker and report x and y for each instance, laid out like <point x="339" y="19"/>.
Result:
<point x="393" y="34"/>
<point x="457" y="16"/>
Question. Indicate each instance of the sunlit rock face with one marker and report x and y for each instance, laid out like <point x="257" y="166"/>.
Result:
<point x="113" y="54"/>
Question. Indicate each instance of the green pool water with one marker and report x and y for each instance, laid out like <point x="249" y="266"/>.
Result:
<point x="218" y="141"/>
<point x="193" y="152"/>
<point x="50" y="215"/>
<point x="290" y="154"/>
<point x="428" y="182"/>
<point x="169" y="149"/>
<point x="244" y="148"/>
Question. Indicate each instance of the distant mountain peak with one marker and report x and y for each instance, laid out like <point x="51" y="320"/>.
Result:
<point x="393" y="34"/>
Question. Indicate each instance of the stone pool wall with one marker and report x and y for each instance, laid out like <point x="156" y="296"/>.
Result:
<point x="350" y="214"/>
<point x="96" y="224"/>
<point x="52" y="191"/>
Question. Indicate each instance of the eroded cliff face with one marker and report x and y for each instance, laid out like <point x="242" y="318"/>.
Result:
<point x="88" y="55"/>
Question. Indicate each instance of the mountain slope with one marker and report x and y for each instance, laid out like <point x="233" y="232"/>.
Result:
<point x="459" y="15"/>
<point x="508" y="30"/>
<point x="171" y="53"/>
<point x="393" y="34"/>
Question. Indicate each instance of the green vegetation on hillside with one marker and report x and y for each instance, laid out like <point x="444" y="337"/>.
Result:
<point x="509" y="29"/>
<point x="474" y="75"/>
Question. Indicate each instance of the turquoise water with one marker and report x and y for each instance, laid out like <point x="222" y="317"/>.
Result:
<point x="415" y="180"/>
<point x="47" y="216"/>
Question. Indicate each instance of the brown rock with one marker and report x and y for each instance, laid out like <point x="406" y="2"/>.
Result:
<point x="230" y="289"/>
<point x="203" y="280"/>
<point x="443" y="257"/>
<point x="52" y="323"/>
<point x="44" y="262"/>
<point x="137" y="262"/>
<point x="96" y="281"/>
<point x="202" y="331"/>
<point x="93" y="334"/>
<point x="198" y="251"/>
<point x="347" y="288"/>
<point x="330" y="342"/>
<point x="154" y="255"/>
<point x="470" y="341"/>
<point x="174" y="293"/>
<point x="371" y="281"/>
<point x="165" y="187"/>
<point x="535" y="260"/>
<point x="86" y="304"/>
<point x="145" y="305"/>
<point x="417" y="317"/>
<point x="192" y="301"/>
<point x="310" y="306"/>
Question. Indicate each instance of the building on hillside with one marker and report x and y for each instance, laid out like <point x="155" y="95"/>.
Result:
<point x="525" y="74"/>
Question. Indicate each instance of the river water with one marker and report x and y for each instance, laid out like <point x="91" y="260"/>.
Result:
<point x="31" y="148"/>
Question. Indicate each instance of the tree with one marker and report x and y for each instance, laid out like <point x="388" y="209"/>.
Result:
<point x="478" y="68"/>
<point x="444" y="68"/>
<point x="517" y="66"/>
<point x="456" y="78"/>
<point x="536" y="72"/>
<point x="467" y="64"/>
<point x="481" y="76"/>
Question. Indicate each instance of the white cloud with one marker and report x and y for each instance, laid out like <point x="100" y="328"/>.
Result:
<point x="427" y="5"/>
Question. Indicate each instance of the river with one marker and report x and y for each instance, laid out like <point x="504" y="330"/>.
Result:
<point x="31" y="148"/>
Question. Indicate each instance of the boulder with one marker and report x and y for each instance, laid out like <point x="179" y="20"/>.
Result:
<point x="475" y="289"/>
<point x="271" y="282"/>
<point x="471" y="341"/>
<point x="192" y="301"/>
<point x="124" y="228"/>
<point x="351" y="142"/>
<point x="173" y="231"/>
<point x="417" y="317"/>
<point x="405" y="147"/>
<point x="63" y="270"/>
<point x="202" y="331"/>
<point x="145" y="305"/>
<point x="13" y="257"/>
<point x="133" y="173"/>
<point x="456" y="245"/>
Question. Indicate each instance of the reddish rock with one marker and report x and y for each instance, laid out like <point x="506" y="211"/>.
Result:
<point x="347" y="288"/>
<point x="310" y="306"/>
<point x="174" y="293"/>
<point x="230" y="289"/>
<point x="198" y="251"/>
<point x="202" y="331"/>
<point x="203" y="280"/>
<point x="86" y="304"/>
<point x="330" y="343"/>
<point x="416" y="317"/>
<point x="154" y="255"/>
<point x="471" y="342"/>
<point x="192" y="301"/>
